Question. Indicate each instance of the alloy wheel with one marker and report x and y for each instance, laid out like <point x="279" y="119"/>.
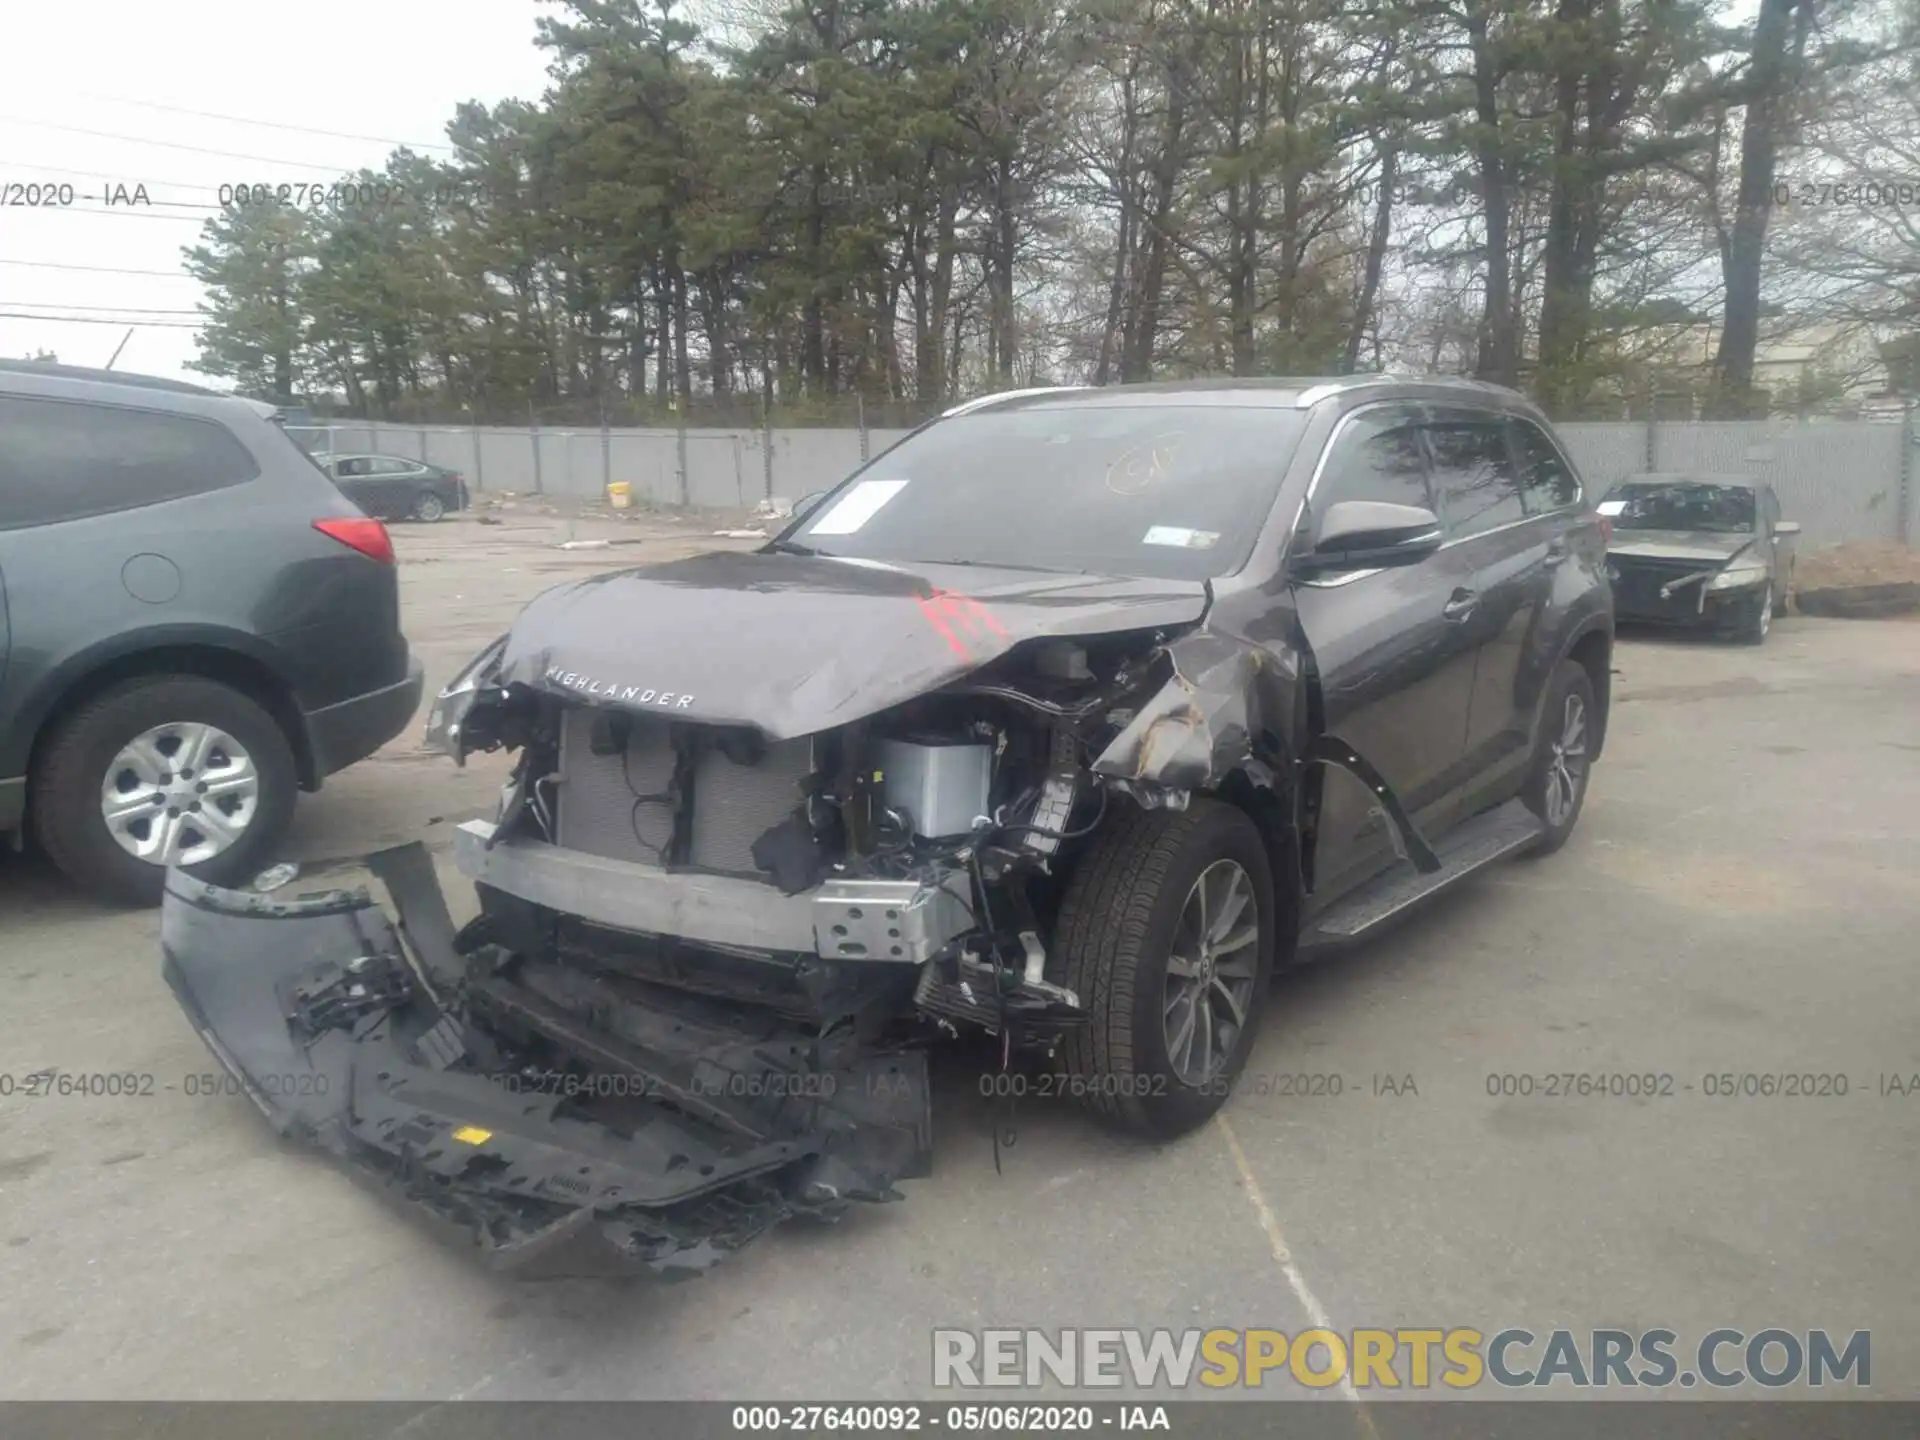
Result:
<point x="179" y="794"/>
<point x="1211" y="972"/>
<point x="1567" y="763"/>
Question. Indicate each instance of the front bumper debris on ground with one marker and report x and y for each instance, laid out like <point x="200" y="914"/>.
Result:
<point x="558" y="1121"/>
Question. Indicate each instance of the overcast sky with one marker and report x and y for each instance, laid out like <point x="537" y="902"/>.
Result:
<point x="125" y="70"/>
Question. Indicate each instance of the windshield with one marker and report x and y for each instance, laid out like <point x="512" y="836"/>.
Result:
<point x="1165" y="492"/>
<point x="1724" y="509"/>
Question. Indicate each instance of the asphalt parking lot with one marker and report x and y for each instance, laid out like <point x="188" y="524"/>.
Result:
<point x="1742" y="898"/>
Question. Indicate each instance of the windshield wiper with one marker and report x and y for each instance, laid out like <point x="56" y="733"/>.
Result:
<point x="1001" y="565"/>
<point x="788" y="547"/>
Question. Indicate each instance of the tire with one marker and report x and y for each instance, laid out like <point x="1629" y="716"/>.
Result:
<point x="1555" y="761"/>
<point x="1119" y="922"/>
<point x="428" y="507"/>
<point x="69" y="785"/>
<point x="1756" y="618"/>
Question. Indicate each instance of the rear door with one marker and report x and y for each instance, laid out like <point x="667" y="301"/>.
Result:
<point x="1395" y="665"/>
<point x="392" y="485"/>
<point x="354" y="475"/>
<point x="1507" y="555"/>
<point x="96" y="539"/>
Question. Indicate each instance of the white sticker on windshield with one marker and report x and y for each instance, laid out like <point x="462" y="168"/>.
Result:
<point x="1611" y="507"/>
<point x="1183" y="538"/>
<point x="856" y="507"/>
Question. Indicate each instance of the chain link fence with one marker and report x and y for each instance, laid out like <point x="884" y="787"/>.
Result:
<point x="1843" y="480"/>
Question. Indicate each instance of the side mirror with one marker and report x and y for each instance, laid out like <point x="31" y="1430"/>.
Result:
<point x="1370" y="535"/>
<point x="1786" y="527"/>
<point x="807" y="502"/>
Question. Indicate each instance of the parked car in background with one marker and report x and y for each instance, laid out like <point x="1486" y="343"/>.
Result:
<point x="393" y="487"/>
<point x="195" y="624"/>
<point x="1699" y="550"/>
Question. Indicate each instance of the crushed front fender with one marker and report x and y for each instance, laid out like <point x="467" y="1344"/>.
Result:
<point x="549" y="1120"/>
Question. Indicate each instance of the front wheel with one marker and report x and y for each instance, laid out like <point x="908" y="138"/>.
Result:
<point x="1168" y="933"/>
<point x="1556" y="786"/>
<point x="1757" y="618"/>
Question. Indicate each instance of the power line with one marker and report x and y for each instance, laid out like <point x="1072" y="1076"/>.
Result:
<point x="84" y="175"/>
<point x="106" y="309"/>
<point x="128" y="212"/>
<point x="101" y="269"/>
<point x="101" y="320"/>
<point x="175" y="145"/>
<point x="278" y="125"/>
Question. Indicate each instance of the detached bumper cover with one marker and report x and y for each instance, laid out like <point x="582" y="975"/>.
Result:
<point x="553" y="1120"/>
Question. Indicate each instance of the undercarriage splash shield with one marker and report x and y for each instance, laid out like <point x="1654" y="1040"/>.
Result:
<point x="604" y="1138"/>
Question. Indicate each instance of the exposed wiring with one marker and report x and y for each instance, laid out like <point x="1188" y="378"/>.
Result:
<point x="665" y="798"/>
<point x="1086" y="829"/>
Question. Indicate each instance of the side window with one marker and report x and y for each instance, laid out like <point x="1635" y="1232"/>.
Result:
<point x="1473" y="472"/>
<point x="353" y="468"/>
<point x="380" y="465"/>
<point x="1547" y="482"/>
<point x="65" y="460"/>
<point x="1376" y="456"/>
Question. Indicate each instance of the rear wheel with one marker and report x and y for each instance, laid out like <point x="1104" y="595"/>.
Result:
<point x="1167" y="933"/>
<point x="1556" y="786"/>
<point x="428" y="507"/>
<point x="159" y="771"/>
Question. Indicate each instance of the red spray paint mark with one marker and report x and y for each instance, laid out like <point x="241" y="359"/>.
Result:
<point x="960" y="619"/>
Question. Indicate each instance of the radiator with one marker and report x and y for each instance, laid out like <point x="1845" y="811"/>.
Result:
<point x="605" y="806"/>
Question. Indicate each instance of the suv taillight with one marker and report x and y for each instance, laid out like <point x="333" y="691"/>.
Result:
<point x="367" y="536"/>
<point x="1606" y="529"/>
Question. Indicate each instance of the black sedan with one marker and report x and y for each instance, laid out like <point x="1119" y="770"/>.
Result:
<point x="1708" y="551"/>
<point x="392" y="487"/>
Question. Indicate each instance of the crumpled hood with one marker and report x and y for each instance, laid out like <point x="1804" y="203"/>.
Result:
<point x="1706" y="547"/>
<point x="795" y="644"/>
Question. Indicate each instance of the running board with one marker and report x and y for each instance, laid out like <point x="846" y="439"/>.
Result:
<point x="1470" y="847"/>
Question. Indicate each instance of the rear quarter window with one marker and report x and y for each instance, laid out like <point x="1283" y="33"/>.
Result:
<point x="67" y="460"/>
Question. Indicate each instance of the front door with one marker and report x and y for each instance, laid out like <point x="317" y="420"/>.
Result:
<point x="1394" y="660"/>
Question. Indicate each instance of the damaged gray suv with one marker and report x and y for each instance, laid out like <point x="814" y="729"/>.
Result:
<point x="1067" y="720"/>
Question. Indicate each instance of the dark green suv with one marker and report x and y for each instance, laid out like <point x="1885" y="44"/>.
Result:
<point x="195" y="624"/>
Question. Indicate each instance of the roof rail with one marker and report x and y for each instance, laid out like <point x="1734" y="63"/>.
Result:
<point x="1313" y="395"/>
<point x="967" y="407"/>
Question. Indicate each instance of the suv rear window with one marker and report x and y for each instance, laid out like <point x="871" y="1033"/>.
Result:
<point x="65" y="460"/>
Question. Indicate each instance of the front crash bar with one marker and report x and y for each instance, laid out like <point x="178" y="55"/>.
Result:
<point x="322" y="1014"/>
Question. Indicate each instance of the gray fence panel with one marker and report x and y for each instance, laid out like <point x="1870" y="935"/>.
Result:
<point x="723" y="472"/>
<point x="1605" y="452"/>
<point x="1839" y="479"/>
<point x="505" y="463"/>
<point x="808" y="460"/>
<point x="646" y="461"/>
<point x="451" y="449"/>
<point x="879" y="440"/>
<point x="555" y="472"/>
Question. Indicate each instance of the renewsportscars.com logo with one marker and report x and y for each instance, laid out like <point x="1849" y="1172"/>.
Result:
<point x="1411" y="1359"/>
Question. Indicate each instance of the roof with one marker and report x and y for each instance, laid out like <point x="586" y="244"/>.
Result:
<point x="1694" y="477"/>
<point x="1290" y="392"/>
<point x="105" y="377"/>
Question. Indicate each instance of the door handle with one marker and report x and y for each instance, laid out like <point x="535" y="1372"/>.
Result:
<point x="1459" y="605"/>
